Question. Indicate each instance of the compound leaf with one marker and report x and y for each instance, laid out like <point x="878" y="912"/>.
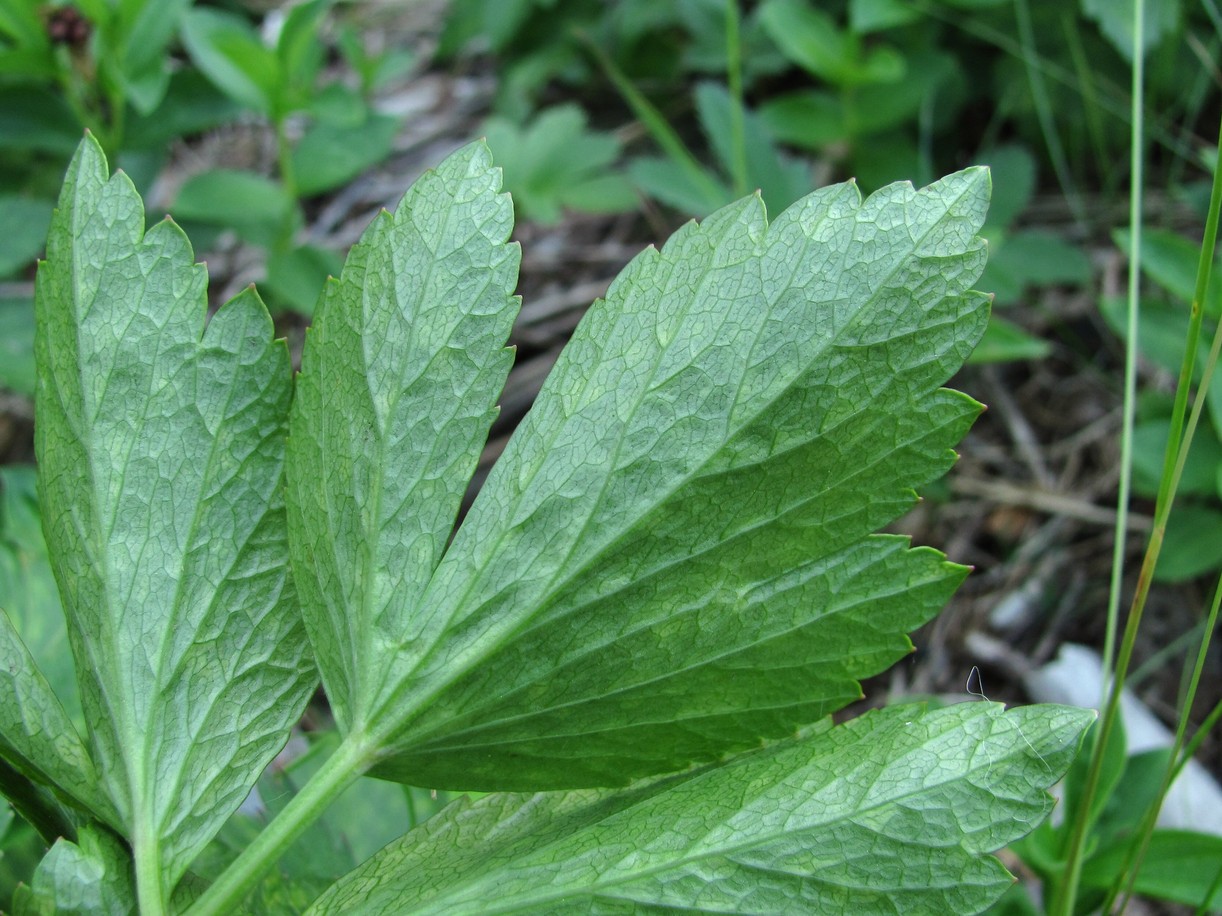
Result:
<point x="398" y="387"/>
<point x="673" y="558"/>
<point x="838" y="821"/>
<point x="161" y="477"/>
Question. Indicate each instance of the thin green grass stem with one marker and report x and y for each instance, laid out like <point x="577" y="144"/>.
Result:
<point x="734" y="79"/>
<point x="1191" y="748"/>
<point x="1135" y="857"/>
<point x="1090" y="100"/>
<point x="1043" y="111"/>
<point x="657" y="125"/>
<point x="1180" y="441"/>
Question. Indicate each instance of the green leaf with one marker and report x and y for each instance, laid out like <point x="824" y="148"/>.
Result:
<point x="1034" y="257"/>
<point x="837" y="822"/>
<point x="1193" y="544"/>
<point x="36" y="735"/>
<point x="672" y="559"/>
<point x="330" y="155"/>
<point x="23" y="229"/>
<point x="399" y="380"/>
<point x="27" y="585"/>
<point x="671" y="183"/>
<point x="17" y="346"/>
<point x="161" y="464"/>
<point x="142" y="31"/>
<point x="230" y="54"/>
<point x="294" y="277"/>
<point x="814" y="41"/>
<point x="1170" y="260"/>
<point x="1181" y="866"/>
<point x="1117" y="21"/>
<point x="299" y="53"/>
<point x="780" y="179"/>
<point x="93" y="878"/>
<point x="1004" y="341"/>
<point x="556" y="162"/>
<point x="256" y="208"/>
<point x="1200" y="475"/>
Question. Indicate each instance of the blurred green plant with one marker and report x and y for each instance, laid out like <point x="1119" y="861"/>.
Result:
<point x="281" y="79"/>
<point x="1194" y="532"/>
<point x="556" y="163"/>
<point x="116" y="68"/>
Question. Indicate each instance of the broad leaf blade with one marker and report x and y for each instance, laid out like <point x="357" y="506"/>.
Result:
<point x="673" y="557"/>
<point x="891" y="813"/>
<point x="161" y="476"/>
<point x="36" y="735"/>
<point x="399" y="381"/>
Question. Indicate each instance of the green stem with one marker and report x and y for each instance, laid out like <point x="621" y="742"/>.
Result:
<point x="146" y="851"/>
<point x="342" y="768"/>
<point x="1136" y="855"/>
<point x="1043" y="111"/>
<point x="284" y="157"/>
<point x="1179" y="442"/>
<point x="663" y="134"/>
<point x="734" y="77"/>
<point x="1190" y="749"/>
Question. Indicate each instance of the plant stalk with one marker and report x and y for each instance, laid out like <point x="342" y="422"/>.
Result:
<point x="146" y="853"/>
<point x="350" y="760"/>
<point x="734" y="79"/>
<point x="1179" y="442"/>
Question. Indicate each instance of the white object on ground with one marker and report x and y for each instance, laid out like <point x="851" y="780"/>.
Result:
<point x="1075" y="678"/>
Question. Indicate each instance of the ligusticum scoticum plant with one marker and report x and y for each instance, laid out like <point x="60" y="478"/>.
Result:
<point x="633" y="641"/>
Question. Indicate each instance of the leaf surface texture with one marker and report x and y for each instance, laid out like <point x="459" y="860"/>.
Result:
<point x="161" y="448"/>
<point x="674" y="556"/>
<point x="839" y="821"/>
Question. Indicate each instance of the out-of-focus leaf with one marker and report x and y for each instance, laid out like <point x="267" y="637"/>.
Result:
<point x="228" y="51"/>
<point x="1117" y="21"/>
<point x="93" y="878"/>
<point x="296" y="277"/>
<point x="17" y="346"/>
<point x="1004" y="341"/>
<point x="34" y="118"/>
<point x="556" y="162"/>
<point x="23" y="230"/>
<point x="670" y="183"/>
<point x="256" y="208"/>
<point x="330" y="155"/>
<point x="27" y="585"/>
<point x="779" y="178"/>
<point x="1193" y="544"/>
<point x="1170" y="260"/>
<point x="1181" y="866"/>
<point x="1033" y="257"/>
<point x="814" y="41"/>
<point x="1149" y="448"/>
